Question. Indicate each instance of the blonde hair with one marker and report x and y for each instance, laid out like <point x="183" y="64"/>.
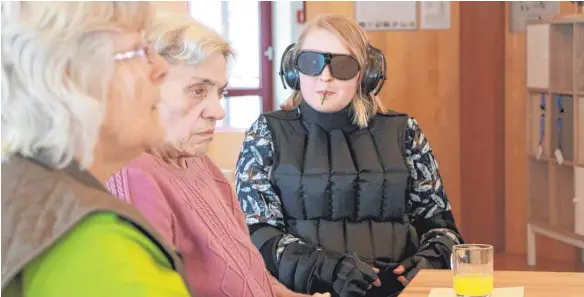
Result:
<point x="363" y="106"/>
<point x="181" y="39"/>
<point x="57" y="64"/>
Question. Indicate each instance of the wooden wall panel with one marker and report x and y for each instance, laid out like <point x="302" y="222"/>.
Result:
<point x="423" y="68"/>
<point x="482" y="99"/>
<point x="515" y="148"/>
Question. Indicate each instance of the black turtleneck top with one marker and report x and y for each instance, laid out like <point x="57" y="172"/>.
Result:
<point x="341" y="119"/>
<point x="260" y="203"/>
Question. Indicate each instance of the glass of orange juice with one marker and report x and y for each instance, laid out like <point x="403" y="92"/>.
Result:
<point x="472" y="268"/>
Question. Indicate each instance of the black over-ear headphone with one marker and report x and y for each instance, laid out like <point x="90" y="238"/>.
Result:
<point x="372" y="80"/>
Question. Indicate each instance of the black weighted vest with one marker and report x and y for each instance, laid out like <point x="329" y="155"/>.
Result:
<point x="343" y="188"/>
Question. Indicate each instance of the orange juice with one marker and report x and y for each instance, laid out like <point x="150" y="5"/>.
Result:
<point x="473" y="284"/>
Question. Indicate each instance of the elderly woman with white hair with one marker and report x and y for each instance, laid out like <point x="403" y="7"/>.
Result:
<point x="80" y="89"/>
<point x="177" y="187"/>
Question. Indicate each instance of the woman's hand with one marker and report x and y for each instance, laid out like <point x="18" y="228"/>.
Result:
<point x="425" y="259"/>
<point x="354" y="277"/>
<point x="399" y="271"/>
<point x="377" y="282"/>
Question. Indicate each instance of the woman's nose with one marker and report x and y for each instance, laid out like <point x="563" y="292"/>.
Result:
<point x="214" y="110"/>
<point x="326" y="74"/>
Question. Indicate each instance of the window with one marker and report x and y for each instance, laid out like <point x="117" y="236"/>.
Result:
<point x="247" y="25"/>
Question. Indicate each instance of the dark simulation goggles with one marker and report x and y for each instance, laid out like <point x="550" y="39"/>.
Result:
<point x="342" y="67"/>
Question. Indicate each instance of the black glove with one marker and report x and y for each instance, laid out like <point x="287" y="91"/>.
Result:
<point x="390" y="286"/>
<point x="349" y="277"/>
<point x="428" y="258"/>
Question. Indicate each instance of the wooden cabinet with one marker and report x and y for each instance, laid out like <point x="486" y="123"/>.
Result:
<point x="555" y="123"/>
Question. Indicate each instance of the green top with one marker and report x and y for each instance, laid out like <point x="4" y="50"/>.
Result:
<point x="102" y="256"/>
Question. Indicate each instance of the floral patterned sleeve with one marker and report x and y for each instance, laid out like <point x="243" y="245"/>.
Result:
<point x="259" y="202"/>
<point x="428" y="203"/>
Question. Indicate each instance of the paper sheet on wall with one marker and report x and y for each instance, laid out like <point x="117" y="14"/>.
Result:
<point x="435" y="15"/>
<point x="523" y="11"/>
<point x="386" y="15"/>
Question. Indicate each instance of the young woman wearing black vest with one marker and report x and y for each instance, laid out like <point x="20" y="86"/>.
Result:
<point x="340" y="194"/>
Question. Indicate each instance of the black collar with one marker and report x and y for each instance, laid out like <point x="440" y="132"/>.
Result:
<point x="341" y="119"/>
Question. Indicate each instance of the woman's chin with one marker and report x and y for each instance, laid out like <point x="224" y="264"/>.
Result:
<point x="201" y="149"/>
<point x="327" y="107"/>
<point x="192" y="152"/>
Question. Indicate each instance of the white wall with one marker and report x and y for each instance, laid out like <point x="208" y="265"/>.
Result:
<point x="285" y="30"/>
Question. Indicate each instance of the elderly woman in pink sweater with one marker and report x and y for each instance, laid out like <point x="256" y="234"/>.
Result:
<point x="177" y="187"/>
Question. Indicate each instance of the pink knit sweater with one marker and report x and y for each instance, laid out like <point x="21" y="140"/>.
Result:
<point x="196" y="210"/>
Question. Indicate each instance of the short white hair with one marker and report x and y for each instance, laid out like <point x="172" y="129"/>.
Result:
<point x="178" y="37"/>
<point x="56" y="68"/>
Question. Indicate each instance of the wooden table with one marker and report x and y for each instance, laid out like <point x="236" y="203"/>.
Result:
<point x="536" y="284"/>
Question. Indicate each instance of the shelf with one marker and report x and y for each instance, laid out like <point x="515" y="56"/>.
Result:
<point x="537" y="90"/>
<point x="553" y="160"/>
<point x="551" y="231"/>
<point x="562" y="92"/>
<point x="555" y="192"/>
<point x="536" y="22"/>
<point x="579" y="58"/>
<point x="561" y="56"/>
<point x="568" y="19"/>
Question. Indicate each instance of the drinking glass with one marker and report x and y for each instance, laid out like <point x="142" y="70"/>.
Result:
<point x="472" y="268"/>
